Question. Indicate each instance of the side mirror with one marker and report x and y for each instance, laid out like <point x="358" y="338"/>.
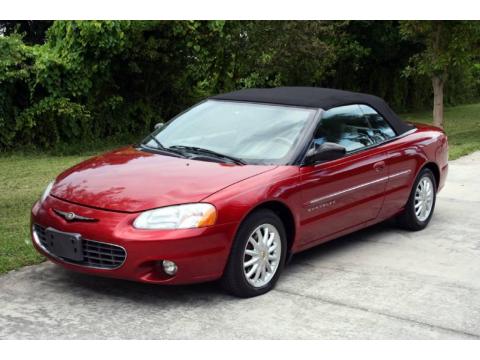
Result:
<point x="325" y="152"/>
<point x="158" y="126"/>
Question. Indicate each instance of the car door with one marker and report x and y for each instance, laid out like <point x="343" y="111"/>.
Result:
<point x="403" y="160"/>
<point x="345" y="193"/>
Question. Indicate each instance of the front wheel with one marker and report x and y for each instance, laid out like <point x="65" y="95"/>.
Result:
<point x="258" y="255"/>
<point x="421" y="203"/>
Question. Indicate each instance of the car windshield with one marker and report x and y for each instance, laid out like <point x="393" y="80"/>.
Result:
<point x="247" y="132"/>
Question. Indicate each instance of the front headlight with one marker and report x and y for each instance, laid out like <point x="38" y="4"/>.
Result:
<point x="177" y="217"/>
<point x="46" y="192"/>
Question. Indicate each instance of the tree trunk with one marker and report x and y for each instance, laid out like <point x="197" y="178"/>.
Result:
<point x="437" y="83"/>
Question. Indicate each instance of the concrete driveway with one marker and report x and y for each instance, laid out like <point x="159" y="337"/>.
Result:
<point x="379" y="283"/>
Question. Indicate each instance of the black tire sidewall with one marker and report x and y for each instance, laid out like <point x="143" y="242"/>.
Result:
<point x="235" y="270"/>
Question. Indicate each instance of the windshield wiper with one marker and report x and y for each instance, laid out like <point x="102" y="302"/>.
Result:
<point x="200" y="150"/>
<point x="161" y="148"/>
<point x="151" y="137"/>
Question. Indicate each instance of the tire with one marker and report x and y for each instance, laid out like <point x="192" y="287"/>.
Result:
<point x="410" y="219"/>
<point x="238" y="279"/>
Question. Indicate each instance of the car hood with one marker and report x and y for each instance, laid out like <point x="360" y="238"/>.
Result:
<point x="130" y="180"/>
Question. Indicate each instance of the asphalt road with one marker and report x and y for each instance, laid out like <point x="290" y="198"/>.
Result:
<point x="380" y="283"/>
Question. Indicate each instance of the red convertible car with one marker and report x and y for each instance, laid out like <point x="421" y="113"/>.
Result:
<point x="232" y="187"/>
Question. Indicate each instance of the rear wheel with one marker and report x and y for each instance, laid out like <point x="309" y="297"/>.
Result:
<point x="258" y="255"/>
<point x="421" y="203"/>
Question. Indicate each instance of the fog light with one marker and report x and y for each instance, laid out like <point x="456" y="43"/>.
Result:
<point x="169" y="267"/>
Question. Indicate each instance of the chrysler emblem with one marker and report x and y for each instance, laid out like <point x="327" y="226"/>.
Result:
<point x="71" y="216"/>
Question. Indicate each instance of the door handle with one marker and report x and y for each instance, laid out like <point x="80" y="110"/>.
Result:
<point x="379" y="166"/>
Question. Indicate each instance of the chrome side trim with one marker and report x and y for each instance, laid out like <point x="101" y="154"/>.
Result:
<point x="39" y="244"/>
<point x="405" y="172"/>
<point x="356" y="187"/>
<point x="411" y="131"/>
<point x="314" y="201"/>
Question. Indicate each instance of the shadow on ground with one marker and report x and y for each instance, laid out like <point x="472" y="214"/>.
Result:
<point x="155" y="293"/>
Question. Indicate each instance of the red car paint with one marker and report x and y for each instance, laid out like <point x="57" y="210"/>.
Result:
<point x="129" y="180"/>
<point x="323" y="201"/>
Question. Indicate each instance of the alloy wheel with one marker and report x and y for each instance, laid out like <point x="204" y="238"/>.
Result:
<point x="424" y="195"/>
<point x="262" y="255"/>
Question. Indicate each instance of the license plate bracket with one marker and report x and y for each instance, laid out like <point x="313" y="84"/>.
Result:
<point x="63" y="244"/>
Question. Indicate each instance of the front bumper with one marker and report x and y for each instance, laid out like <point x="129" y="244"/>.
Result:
<point x="200" y="254"/>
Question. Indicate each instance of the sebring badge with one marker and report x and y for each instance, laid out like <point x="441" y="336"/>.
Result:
<point x="71" y="216"/>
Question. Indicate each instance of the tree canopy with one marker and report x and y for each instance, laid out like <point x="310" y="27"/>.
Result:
<point x="447" y="46"/>
<point x="69" y="81"/>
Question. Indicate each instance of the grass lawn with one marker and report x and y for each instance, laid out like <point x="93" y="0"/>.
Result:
<point x="462" y="125"/>
<point x="23" y="177"/>
<point x="22" y="180"/>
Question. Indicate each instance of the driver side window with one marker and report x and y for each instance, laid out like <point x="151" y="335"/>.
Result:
<point x="353" y="127"/>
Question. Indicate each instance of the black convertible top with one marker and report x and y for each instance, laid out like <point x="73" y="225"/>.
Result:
<point x="317" y="98"/>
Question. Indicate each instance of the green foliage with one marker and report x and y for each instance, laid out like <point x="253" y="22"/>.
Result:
<point x="94" y="79"/>
<point x="446" y="45"/>
<point x="15" y="73"/>
<point x="287" y="52"/>
<point x="53" y="119"/>
<point x="32" y="31"/>
<point x="91" y="80"/>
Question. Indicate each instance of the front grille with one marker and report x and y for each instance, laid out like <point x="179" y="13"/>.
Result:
<point x="95" y="254"/>
<point x="99" y="254"/>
